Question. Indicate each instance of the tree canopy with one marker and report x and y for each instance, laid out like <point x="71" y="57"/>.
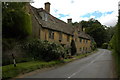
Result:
<point x="115" y="44"/>
<point x="100" y="33"/>
<point x="16" y="21"/>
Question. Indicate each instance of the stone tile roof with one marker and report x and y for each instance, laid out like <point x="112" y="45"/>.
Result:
<point x="53" y="22"/>
<point x="56" y="24"/>
<point x="84" y="35"/>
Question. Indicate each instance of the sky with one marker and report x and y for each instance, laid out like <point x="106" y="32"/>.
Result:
<point x="105" y="11"/>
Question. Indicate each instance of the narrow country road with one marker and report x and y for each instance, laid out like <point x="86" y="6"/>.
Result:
<point x="98" y="65"/>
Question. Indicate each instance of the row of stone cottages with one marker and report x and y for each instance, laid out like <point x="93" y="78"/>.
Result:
<point x="47" y="27"/>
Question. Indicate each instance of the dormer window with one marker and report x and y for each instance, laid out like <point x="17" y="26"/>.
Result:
<point x="46" y="17"/>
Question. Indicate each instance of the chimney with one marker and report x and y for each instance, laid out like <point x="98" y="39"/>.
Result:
<point x="69" y="20"/>
<point x="47" y="7"/>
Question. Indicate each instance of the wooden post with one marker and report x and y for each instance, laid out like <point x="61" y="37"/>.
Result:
<point x="14" y="62"/>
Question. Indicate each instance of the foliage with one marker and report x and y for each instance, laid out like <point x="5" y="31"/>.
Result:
<point x="73" y="47"/>
<point x="11" y="46"/>
<point x="94" y="45"/>
<point x="9" y="71"/>
<point x="44" y="50"/>
<point x="95" y="29"/>
<point x="8" y="44"/>
<point x="115" y="43"/>
<point x="105" y="45"/>
<point x="89" y="23"/>
<point x="110" y="32"/>
<point x="98" y="33"/>
<point x="16" y="20"/>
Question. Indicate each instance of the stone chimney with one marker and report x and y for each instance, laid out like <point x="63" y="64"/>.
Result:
<point x="69" y="20"/>
<point x="47" y="7"/>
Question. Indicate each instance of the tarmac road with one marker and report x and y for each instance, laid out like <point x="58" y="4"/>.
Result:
<point x="98" y="65"/>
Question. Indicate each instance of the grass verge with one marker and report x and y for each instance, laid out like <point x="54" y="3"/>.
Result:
<point x="9" y="71"/>
<point x="79" y="56"/>
<point x="117" y="62"/>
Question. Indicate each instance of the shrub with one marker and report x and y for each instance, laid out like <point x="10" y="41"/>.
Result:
<point x="73" y="47"/>
<point x="105" y="45"/>
<point x="44" y="50"/>
<point x="94" y="45"/>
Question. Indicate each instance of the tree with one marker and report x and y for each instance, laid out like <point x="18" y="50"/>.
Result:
<point x="89" y="23"/>
<point x="96" y="30"/>
<point x="110" y="32"/>
<point x="115" y="43"/>
<point x="73" y="47"/>
<point x="16" y="20"/>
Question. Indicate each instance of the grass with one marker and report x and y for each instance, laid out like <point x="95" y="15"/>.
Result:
<point x="79" y="56"/>
<point x="117" y="62"/>
<point x="9" y="71"/>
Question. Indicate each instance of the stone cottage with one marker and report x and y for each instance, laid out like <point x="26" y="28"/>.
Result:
<point x="47" y="27"/>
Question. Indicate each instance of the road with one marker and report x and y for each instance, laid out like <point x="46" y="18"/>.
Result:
<point x="98" y="65"/>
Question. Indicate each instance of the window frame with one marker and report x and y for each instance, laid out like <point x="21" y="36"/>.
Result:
<point x="60" y="36"/>
<point x="80" y="39"/>
<point x="51" y="34"/>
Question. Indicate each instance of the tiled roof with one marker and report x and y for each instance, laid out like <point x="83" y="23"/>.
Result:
<point x="53" y="23"/>
<point x="56" y="24"/>
<point x="84" y="35"/>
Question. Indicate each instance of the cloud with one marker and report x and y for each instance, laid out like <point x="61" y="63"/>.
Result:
<point x="109" y="20"/>
<point x="77" y="8"/>
<point x="62" y="15"/>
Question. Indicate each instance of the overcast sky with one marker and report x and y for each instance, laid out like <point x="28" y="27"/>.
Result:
<point x="105" y="11"/>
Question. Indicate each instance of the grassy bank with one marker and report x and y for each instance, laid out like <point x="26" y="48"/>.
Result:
<point x="117" y="63"/>
<point x="9" y="71"/>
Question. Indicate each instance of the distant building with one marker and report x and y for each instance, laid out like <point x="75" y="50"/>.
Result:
<point x="47" y="27"/>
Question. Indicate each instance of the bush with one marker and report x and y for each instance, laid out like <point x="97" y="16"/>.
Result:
<point x="73" y="47"/>
<point x="115" y="41"/>
<point x="105" y="45"/>
<point x="94" y="46"/>
<point x="44" y="50"/>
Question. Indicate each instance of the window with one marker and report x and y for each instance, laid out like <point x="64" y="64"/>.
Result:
<point x="80" y="49"/>
<point x="60" y="36"/>
<point x="83" y="41"/>
<point x="41" y="15"/>
<point x="76" y="39"/>
<point x="39" y="34"/>
<point x="45" y="36"/>
<point x="83" y="48"/>
<point x="86" y="41"/>
<point x="51" y="34"/>
<point x="80" y="40"/>
<point x="68" y="38"/>
<point x="46" y="17"/>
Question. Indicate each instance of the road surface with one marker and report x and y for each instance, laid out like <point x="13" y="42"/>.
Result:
<point x="98" y="65"/>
